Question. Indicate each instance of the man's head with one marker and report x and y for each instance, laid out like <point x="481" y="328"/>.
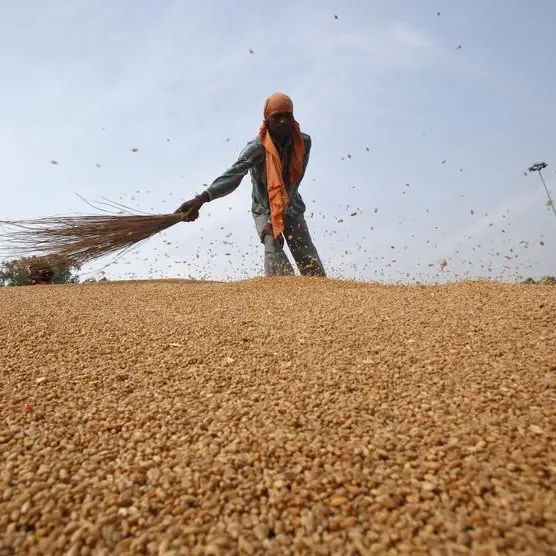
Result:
<point x="278" y="112"/>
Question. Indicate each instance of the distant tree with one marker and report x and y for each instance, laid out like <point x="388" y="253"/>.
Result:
<point x="11" y="274"/>
<point x="22" y="272"/>
<point x="545" y="280"/>
<point x="94" y="280"/>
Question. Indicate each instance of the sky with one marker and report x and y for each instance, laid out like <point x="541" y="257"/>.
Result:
<point x="424" y="118"/>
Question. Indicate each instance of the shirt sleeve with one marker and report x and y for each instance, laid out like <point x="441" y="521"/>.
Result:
<point x="229" y="181"/>
<point x="308" y="145"/>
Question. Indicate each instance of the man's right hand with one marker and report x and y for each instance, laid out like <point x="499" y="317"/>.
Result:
<point x="191" y="208"/>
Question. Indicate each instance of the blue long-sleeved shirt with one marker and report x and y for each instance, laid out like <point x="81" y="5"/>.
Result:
<point x="252" y="160"/>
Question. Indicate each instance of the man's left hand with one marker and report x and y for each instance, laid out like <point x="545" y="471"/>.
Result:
<point x="268" y="231"/>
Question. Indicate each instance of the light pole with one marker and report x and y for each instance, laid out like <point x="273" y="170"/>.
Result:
<point x="537" y="168"/>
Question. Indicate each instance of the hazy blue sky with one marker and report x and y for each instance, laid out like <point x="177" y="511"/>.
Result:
<point x="83" y="82"/>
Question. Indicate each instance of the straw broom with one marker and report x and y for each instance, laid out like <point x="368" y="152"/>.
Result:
<point x="71" y="241"/>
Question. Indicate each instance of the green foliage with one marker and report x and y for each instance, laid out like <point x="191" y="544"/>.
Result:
<point x="11" y="274"/>
<point x="18" y="273"/>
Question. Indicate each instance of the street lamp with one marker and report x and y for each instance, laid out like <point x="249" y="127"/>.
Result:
<point x="537" y="167"/>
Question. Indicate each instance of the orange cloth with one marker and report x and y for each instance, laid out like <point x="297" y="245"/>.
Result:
<point x="277" y="194"/>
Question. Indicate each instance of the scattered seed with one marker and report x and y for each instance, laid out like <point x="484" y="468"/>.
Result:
<point x="292" y="416"/>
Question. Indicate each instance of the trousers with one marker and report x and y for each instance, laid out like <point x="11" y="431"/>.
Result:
<point x="297" y="236"/>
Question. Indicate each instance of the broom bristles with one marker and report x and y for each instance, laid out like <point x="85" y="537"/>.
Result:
<point x="71" y="241"/>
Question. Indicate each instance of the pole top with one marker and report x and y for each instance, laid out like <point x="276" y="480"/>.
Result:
<point x="538" y="166"/>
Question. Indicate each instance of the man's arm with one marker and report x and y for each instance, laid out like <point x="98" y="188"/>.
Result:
<point x="308" y="145"/>
<point x="226" y="183"/>
<point x="229" y="181"/>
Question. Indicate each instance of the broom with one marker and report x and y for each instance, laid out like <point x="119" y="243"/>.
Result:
<point x="71" y="241"/>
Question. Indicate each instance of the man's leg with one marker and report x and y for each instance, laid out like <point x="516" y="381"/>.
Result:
<point x="301" y="246"/>
<point x="276" y="262"/>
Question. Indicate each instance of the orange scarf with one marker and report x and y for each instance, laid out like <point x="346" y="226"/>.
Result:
<point x="277" y="194"/>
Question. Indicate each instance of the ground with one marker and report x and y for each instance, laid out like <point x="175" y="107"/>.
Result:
<point x="278" y="416"/>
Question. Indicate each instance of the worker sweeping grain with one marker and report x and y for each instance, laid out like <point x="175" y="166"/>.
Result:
<point x="276" y="159"/>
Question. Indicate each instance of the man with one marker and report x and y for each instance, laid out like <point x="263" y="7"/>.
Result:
<point x="276" y="159"/>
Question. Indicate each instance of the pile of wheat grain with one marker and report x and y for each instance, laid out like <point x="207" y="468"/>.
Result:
<point x="281" y="416"/>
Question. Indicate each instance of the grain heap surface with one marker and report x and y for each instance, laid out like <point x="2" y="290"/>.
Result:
<point x="278" y="416"/>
